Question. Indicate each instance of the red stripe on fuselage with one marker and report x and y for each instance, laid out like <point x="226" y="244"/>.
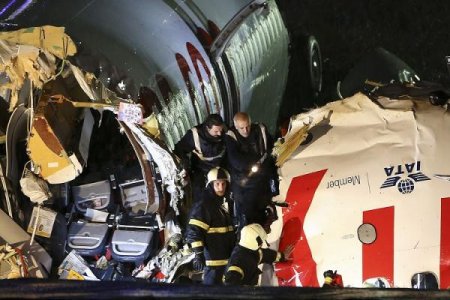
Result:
<point x="302" y="268"/>
<point x="196" y="58"/>
<point x="444" y="266"/>
<point x="378" y="257"/>
<point x="185" y="70"/>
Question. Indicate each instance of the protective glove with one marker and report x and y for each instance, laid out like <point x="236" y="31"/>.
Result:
<point x="198" y="263"/>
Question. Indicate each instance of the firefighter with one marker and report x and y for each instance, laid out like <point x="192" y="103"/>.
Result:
<point x="252" y="167"/>
<point x="242" y="268"/>
<point x="210" y="231"/>
<point x="201" y="149"/>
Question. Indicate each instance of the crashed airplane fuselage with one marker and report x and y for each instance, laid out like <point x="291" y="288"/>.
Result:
<point x="365" y="192"/>
<point x="368" y="194"/>
<point x="179" y="61"/>
<point x="107" y="99"/>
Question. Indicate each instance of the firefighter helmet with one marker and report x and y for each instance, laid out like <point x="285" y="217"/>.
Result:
<point x="252" y="236"/>
<point x="217" y="173"/>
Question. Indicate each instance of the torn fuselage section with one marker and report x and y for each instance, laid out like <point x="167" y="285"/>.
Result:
<point x="368" y="162"/>
<point x="100" y="157"/>
<point x="52" y="144"/>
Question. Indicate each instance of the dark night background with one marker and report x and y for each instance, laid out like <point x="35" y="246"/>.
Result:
<point x="416" y="31"/>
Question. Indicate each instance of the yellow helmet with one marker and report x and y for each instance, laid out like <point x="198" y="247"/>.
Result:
<point x="217" y="173"/>
<point x="252" y="236"/>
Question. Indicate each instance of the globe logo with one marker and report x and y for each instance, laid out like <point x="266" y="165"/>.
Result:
<point x="405" y="186"/>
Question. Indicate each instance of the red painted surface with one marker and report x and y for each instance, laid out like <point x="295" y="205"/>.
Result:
<point x="378" y="257"/>
<point x="444" y="266"/>
<point x="302" y="268"/>
<point x="197" y="58"/>
<point x="213" y="29"/>
<point x="185" y="70"/>
<point x="164" y="87"/>
<point x="204" y="37"/>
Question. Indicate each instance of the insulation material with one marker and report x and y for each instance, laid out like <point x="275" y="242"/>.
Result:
<point x="381" y="163"/>
<point x="49" y="38"/>
<point x="21" y="61"/>
<point x="282" y="151"/>
<point x="170" y="174"/>
<point x="31" y="52"/>
<point x="48" y="154"/>
<point x="151" y="126"/>
<point x="94" y="89"/>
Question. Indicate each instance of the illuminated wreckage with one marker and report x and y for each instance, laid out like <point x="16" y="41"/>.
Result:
<point x="69" y="137"/>
<point x="372" y="184"/>
<point x="85" y="166"/>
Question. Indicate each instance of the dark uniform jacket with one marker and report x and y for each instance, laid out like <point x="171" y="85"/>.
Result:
<point x="243" y="153"/>
<point x="242" y="268"/>
<point x="210" y="229"/>
<point x="212" y="151"/>
<point x="252" y="191"/>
